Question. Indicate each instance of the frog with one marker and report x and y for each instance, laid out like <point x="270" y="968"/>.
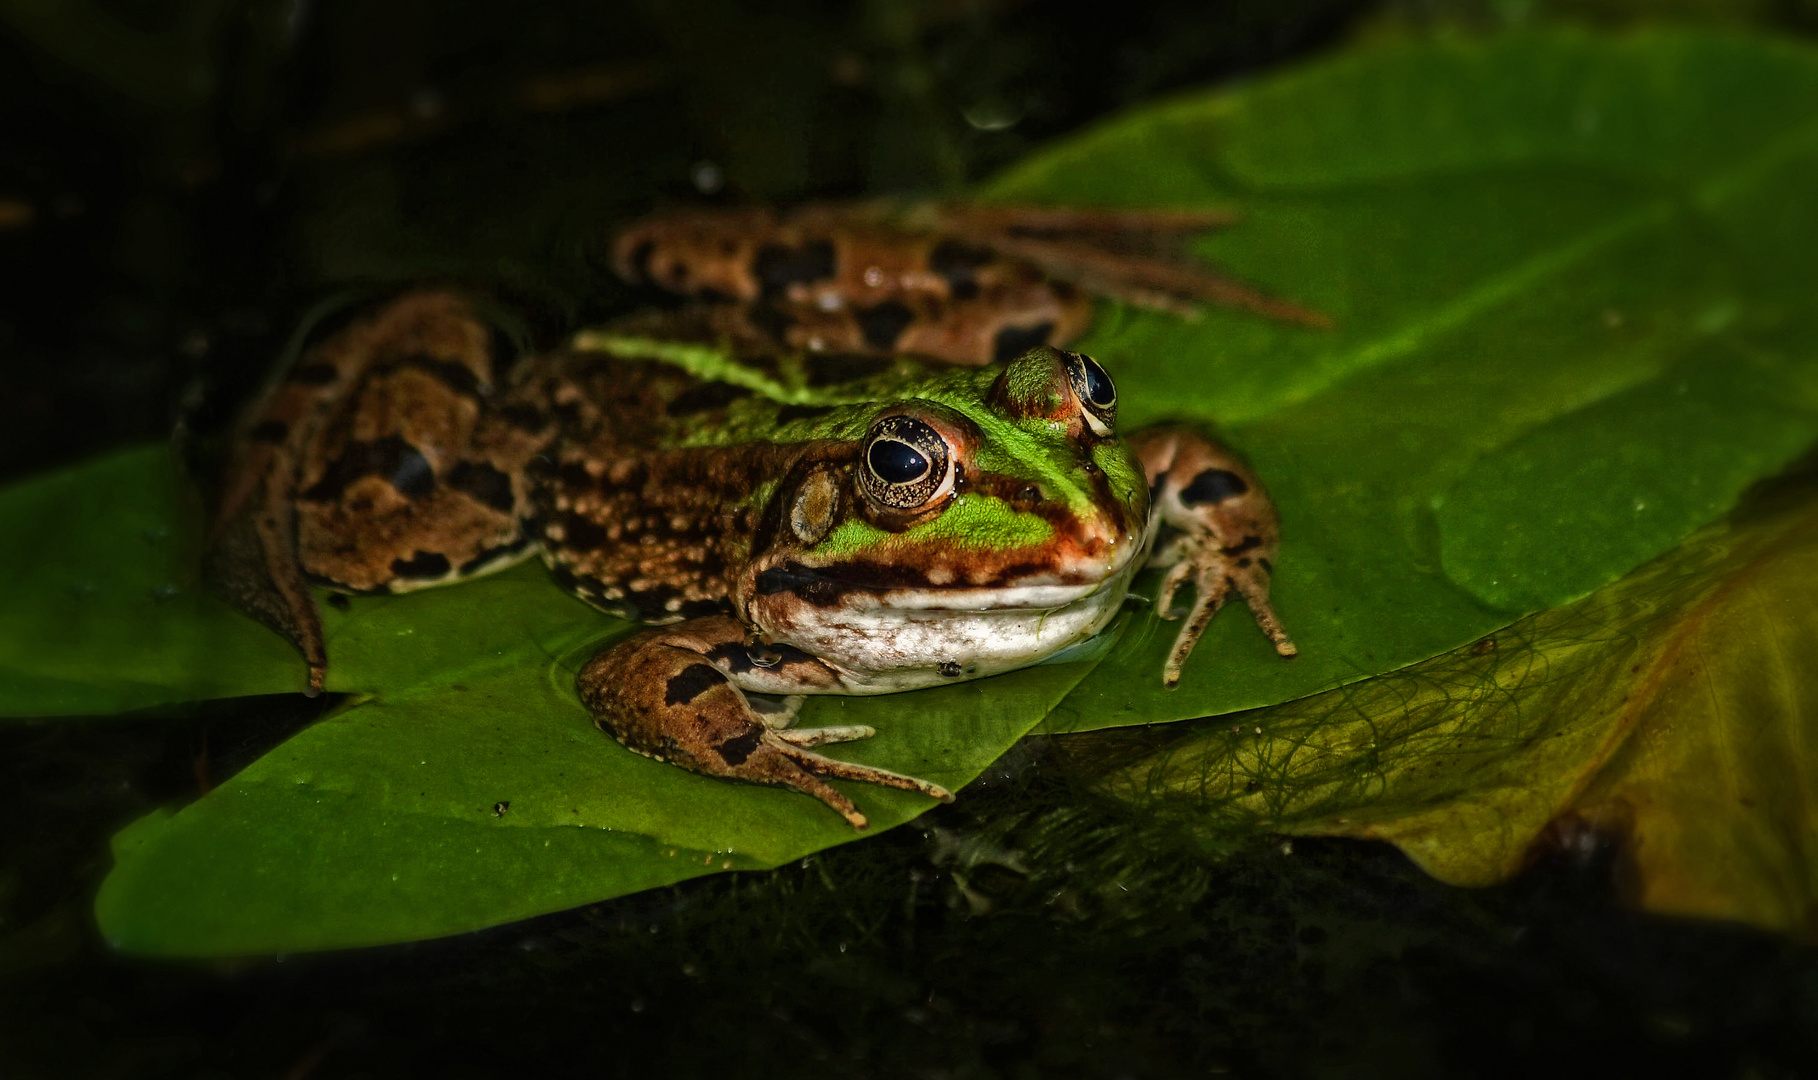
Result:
<point x="795" y="494"/>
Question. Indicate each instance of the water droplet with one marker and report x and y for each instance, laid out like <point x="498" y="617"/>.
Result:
<point x="707" y="177"/>
<point x="993" y="113"/>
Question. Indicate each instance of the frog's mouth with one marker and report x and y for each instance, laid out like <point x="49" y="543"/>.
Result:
<point x="888" y="635"/>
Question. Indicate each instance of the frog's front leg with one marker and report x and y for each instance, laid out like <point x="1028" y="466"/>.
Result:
<point x="674" y="694"/>
<point x="1226" y="535"/>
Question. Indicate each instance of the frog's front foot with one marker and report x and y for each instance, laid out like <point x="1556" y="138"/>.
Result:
<point x="1215" y="574"/>
<point x="1225" y="536"/>
<point x="666" y="694"/>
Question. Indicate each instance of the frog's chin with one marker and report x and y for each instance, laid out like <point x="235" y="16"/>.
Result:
<point x="905" y="638"/>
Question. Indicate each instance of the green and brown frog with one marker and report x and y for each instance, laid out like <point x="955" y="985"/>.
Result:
<point x="858" y="462"/>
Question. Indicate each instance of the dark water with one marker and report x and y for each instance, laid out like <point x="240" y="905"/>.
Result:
<point x="187" y="186"/>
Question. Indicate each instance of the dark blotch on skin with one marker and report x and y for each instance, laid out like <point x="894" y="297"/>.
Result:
<point x="410" y="473"/>
<point x="801" y="412"/>
<point x="777" y="267"/>
<point x="690" y="683"/>
<point x="652" y="605"/>
<point x="590" y="589"/>
<point x="794" y="578"/>
<point x="314" y="374"/>
<point x="582" y="534"/>
<point x="959" y="264"/>
<point x="501" y="350"/>
<point x="735" y="750"/>
<point x="400" y="463"/>
<point x="1213" y="486"/>
<point x="640" y="259"/>
<point x="339" y="601"/>
<point x="575" y="477"/>
<point x="523" y="417"/>
<point x="484" y="483"/>
<point x="1013" y="341"/>
<point x="770" y="321"/>
<point x="705" y="397"/>
<point x="424" y="564"/>
<point x="951" y="669"/>
<point x="833" y="369"/>
<point x="1268" y="567"/>
<point x="1248" y="543"/>
<point x="269" y="431"/>
<point x="490" y="555"/>
<point x="884" y="323"/>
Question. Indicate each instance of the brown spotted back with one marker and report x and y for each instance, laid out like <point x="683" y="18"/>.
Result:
<point x="633" y="527"/>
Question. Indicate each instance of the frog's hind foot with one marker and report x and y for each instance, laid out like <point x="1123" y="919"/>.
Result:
<point x="659" y="695"/>
<point x="1137" y="256"/>
<point x="252" y="565"/>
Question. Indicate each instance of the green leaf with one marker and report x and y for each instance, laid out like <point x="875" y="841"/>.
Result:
<point x="103" y="610"/>
<point x="388" y="821"/>
<point x="1670" y="713"/>
<point x="1570" y="279"/>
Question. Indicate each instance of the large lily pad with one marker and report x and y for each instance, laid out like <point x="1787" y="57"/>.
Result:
<point x="1669" y="714"/>
<point x="1570" y="330"/>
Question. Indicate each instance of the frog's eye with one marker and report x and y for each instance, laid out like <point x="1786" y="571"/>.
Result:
<point x="907" y="464"/>
<point x="1097" y="394"/>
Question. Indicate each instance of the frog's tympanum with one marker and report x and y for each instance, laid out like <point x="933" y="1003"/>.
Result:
<point x="823" y="503"/>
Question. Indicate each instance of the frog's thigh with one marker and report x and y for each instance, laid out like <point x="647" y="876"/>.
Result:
<point x="419" y="477"/>
<point x="375" y="536"/>
<point x="666" y="694"/>
<point x="1227" y="533"/>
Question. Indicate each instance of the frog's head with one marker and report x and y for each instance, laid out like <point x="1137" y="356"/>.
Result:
<point x="989" y="519"/>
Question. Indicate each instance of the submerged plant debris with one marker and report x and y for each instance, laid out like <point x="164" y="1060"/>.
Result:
<point x="1666" y="715"/>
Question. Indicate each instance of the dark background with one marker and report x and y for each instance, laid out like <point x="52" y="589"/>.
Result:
<point x="179" y="178"/>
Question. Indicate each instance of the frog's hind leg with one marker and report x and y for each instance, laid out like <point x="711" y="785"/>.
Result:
<point x="667" y="694"/>
<point x="383" y="461"/>
<point x="1225" y="535"/>
<point x="1137" y="256"/>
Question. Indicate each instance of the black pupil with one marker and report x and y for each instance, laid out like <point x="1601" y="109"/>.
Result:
<point x="1098" y="384"/>
<point x="897" y="462"/>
